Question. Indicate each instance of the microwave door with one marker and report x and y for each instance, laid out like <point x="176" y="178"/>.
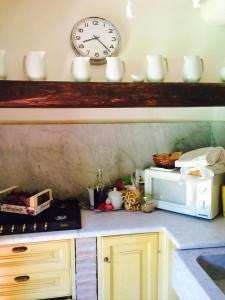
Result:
<point x="172" y="195"/>
<point x="175" y="207"/>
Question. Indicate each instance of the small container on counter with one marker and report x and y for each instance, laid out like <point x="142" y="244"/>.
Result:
<point x="147" y="204"/>
<point x="115" y="198"/>
<point x="132" y="198"/>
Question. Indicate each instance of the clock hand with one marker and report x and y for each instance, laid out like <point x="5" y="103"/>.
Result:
<point x="97" y="38"/>
<point x="94" y="38"/>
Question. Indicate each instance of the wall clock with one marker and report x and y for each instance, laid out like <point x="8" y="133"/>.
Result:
<point x="96" y="38"/>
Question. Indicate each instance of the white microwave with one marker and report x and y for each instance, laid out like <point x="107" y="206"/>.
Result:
<point x="196" y="197"/>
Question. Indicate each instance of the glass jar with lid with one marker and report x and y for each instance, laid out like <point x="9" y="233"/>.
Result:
<point x="147" y="204"/>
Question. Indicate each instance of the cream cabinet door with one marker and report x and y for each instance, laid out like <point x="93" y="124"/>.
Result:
<point x="165" y="288"/>
<point x="128" y="267"/>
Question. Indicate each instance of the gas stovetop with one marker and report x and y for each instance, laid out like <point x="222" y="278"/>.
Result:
<point x="62" y="215"/>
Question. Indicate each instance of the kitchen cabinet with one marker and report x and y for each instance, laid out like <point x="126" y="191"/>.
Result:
<point x="165" y="288"/>
<point x="128" y="267"/>
<point x="37" y="270"/>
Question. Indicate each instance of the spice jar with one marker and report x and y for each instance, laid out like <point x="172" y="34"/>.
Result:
<point x="147" y="204"/>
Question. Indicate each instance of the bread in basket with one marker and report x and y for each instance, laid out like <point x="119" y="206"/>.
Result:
<point x="166" y="160"/>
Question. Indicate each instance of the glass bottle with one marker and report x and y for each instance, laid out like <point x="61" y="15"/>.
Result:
<point x="100" y="190"/>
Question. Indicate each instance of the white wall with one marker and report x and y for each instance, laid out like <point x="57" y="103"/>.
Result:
<point x="170" y="27"/>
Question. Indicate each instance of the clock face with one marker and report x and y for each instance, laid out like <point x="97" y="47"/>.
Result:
<point x="96" y="38"/>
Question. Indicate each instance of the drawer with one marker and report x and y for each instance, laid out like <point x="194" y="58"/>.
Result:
<point x="35" y="257"/>
<point x="35" y="286"/>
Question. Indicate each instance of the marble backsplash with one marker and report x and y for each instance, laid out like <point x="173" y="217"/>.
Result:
<point x="66" y="157"/>
<point x="218" y="133"/>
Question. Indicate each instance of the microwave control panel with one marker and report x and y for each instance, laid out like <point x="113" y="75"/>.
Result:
<point x="203" y="196"/>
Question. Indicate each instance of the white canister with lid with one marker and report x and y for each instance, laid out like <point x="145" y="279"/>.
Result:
<point x="116" y="198"/>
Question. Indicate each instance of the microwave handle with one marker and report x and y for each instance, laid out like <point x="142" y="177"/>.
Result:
<point x="191" y="193"/>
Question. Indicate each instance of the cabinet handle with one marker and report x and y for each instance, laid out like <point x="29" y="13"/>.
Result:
<point x="19" y="249"/>
<point x="106" y="259"/>
<point x="22" y="278"/>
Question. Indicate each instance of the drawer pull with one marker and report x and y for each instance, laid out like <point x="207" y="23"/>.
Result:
<point x="19" y="249"/>
<point x="22" y="278"/>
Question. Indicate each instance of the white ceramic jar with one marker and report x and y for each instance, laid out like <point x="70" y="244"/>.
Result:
<point x="80" y="69"/>
<point x="192" y="68"/>
<point x="116" y="198"/>
<point x="157" y="67"/>
<point x="115" y="69"/>
<point x="34" y="65"/>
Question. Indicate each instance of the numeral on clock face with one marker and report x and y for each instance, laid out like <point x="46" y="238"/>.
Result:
<point x="95" y="37"/>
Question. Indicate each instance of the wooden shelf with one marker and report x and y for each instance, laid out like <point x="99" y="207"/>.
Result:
<point x="50" y="94"/>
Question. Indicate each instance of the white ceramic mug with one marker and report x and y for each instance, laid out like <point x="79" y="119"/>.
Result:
<point x="115" y="69"/>
<point x="34" y="65"/>
<point x="3" y="69"/>
<point x="80" y="69"/>
<point x="192" y="68"/>
<point x="157" y="67"/>
<point x="222" y="74"/>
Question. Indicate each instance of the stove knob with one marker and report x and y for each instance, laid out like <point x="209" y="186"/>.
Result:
<point x="12" y="228"/>
<point x="24" y="227"/>
<point x="46" y="225"/>
<point x="34" y="227"/>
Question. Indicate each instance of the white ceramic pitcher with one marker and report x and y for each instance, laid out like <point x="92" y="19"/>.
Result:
<point x="116" y="198"/>
<point x="80" y="69"/>
<point x="3" y="68"/>
<point x="192" y="68"/>
<point x="157" y="67"/>
<point x="35" y="65"/>
<point x="114" y="69"/>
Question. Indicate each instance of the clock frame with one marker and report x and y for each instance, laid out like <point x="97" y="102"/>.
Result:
<point x="96" y="38"/>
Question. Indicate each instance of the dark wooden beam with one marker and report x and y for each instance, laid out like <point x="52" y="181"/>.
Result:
<point x="49" y="94"/>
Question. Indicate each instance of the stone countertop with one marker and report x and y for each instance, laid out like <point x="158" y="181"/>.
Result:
<point x="186" y="232"/>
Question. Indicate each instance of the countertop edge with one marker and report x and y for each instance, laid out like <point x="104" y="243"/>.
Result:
<point x="184" y="231"/>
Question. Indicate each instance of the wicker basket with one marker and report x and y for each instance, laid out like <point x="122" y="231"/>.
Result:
<point x="166" y="160"/>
